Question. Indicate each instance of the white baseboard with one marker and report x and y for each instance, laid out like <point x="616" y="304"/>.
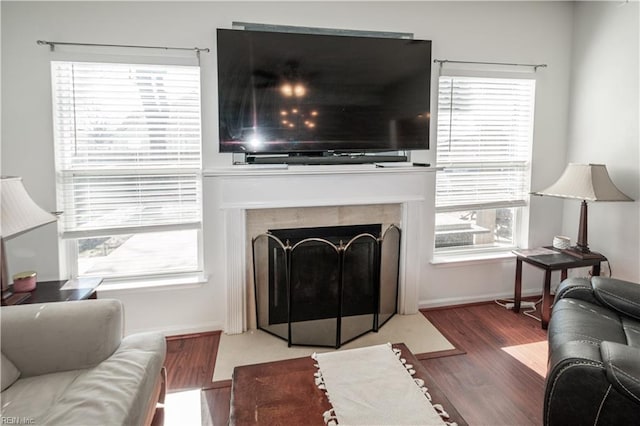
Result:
<point x="179" y="330"/>
<point x="463" y="300"/>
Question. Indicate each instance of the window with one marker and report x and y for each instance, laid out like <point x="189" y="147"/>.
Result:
<point x="485" y="132"/>
<point x="128" y="167"/>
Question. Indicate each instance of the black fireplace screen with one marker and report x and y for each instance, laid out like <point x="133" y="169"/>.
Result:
<point x="325" y="286"/>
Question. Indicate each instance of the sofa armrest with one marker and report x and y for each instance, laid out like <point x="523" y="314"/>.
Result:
<point x="623" y="369"/>
<point x="621" y="296"/>
<point x="51" y="337"/>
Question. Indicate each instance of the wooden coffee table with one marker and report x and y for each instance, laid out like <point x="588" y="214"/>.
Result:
<point x="284" y="392"/>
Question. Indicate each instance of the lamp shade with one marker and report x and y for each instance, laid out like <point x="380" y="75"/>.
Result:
<point x="19" y="212"/>
<point x="588" y="182"/>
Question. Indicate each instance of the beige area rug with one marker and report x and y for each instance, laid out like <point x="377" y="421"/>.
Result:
<point x="256" y="346"/>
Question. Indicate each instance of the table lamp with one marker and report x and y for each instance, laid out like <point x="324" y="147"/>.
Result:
<point x="586" y="182"/>
<point x="19" y="215"/>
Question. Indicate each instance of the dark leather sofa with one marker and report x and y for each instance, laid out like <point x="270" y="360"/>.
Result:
<point x="594" y="354"/>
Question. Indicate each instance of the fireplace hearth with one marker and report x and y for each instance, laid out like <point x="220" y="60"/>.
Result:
<point x="325" y="286"/>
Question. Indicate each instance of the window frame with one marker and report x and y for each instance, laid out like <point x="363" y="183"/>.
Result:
<point x="68" y="246"/>
<point x="520" y="211"/>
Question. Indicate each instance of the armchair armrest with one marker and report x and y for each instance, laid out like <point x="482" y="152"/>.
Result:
<point x="576" y="288"/>
<point x="592" y="384"/>
<point x="619" y="295"/>
<point x="623" y="369"/>
<point x="61" y="336"/>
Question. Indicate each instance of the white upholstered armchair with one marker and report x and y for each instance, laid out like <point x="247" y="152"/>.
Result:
<point x="66" y="363"/>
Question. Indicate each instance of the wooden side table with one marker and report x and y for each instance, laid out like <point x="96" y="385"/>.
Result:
<point x="61" y="291"/>
<point x="550" y="260"/>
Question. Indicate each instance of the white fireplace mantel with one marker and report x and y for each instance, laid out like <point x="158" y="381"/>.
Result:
<point x="237" y="189"/>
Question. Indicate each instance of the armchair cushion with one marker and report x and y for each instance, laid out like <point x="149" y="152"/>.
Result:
<point x="583" y="321"/>
<point x="9" y="372"/>
<point x="35" y="395"/>
<point x="93" y="399"/>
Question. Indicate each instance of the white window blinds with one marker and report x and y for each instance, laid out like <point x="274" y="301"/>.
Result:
<point x="485" y="128"/>
<point x="128" y="147"/>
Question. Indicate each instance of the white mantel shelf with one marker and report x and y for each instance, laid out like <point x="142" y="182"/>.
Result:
<point x="234" y="190"/>
<point x="334" y="169"/>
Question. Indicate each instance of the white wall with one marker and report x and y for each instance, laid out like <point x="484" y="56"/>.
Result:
<point x="603" y="126"/>
<point x="527" y="32"/>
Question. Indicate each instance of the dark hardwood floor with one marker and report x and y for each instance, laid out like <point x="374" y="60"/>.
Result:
<point x="487" y="385"/>
<point x="190" y="360"/>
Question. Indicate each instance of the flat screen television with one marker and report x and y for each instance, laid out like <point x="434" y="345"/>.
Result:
<point x="308" y="93"/>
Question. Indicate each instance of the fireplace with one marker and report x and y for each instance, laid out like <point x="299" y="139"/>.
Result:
<point x="247" y="201"/>
<point x="325" y="286"/>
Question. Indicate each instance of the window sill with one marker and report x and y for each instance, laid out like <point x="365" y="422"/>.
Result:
<point x="454" y="259"/>
<point x="182" y="282"/>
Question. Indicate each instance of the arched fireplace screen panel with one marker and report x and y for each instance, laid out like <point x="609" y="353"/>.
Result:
<point x="389" y="273"/>
<point x="318" y="293"/>
<point x="270" y="281"/>
<point x="360" y="280"/>
<point x="314" y="292"/>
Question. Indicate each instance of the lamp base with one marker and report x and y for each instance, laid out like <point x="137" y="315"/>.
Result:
<point x="576" y="252"/>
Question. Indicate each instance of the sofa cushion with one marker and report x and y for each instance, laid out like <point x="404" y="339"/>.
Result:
<point x="9" y="372"/>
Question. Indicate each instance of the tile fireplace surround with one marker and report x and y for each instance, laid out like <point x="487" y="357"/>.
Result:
<point x="235" y="193"/>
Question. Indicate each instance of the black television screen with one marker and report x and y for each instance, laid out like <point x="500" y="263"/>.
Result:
<point x="291" y="92"/>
